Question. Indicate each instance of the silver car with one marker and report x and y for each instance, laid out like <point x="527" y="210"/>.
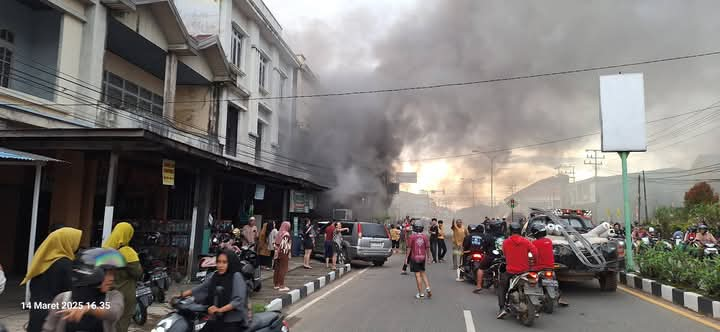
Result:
<point x="365" y="241"/>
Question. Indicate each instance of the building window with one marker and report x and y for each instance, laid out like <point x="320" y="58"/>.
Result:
<point x="236" y="47"/>
<point x="5" y="61"/>
<point x="7" y="38"/>
<point x="126" y="95"/>
<point x="258" y="140"/>
<point x="262" y="72"/>
<point x="231" y="132"/>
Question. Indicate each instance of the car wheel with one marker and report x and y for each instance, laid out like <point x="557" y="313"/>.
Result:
<point x="608" y="282"/>
<point x="378" y="263"/>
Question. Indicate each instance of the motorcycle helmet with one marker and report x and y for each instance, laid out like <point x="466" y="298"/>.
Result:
<point x="90" y="266"/>
<point x="538" y="230"/>
<point x="418" y="227"/>
<point x="480" y="228"/>
<point x="515" y="228"/>
<point x="471" y="228"/>
<point x="702" y="227"/>
<point x="236" y="232"/>
<point x="693" y="229"/>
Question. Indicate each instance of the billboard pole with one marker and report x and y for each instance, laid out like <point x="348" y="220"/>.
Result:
<point x="629" y="264"/>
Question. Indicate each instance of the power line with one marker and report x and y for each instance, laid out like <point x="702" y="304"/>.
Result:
<point x="466" y="83"/>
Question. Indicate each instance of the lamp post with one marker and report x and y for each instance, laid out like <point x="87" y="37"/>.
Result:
<point x="472" y="184"/>
<point x="491" y="156"/>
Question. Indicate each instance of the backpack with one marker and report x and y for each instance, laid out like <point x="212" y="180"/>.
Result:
<point x="419" y="247"/>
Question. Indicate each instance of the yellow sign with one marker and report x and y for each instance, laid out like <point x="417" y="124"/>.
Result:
<point x="619" y="213"/>
<point x="168" y="172"/>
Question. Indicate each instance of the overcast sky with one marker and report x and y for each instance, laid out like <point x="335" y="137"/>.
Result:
<point x="407" y="43"/>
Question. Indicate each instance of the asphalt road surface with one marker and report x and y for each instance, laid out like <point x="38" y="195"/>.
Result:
<point x="380" y="299"/>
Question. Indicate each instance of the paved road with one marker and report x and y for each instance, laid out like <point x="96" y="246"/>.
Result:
<point x="380" y="299"/>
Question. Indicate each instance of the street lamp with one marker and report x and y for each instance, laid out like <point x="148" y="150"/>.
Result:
<point x="491" y="156"/>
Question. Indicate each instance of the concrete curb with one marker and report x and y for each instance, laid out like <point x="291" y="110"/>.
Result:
<point x="295" y="295"/>
<point x="692" y="301"/>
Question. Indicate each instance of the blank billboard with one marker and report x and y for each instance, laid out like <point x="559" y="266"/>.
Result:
<point x="622" y="113"/>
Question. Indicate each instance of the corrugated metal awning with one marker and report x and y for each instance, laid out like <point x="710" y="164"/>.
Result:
<point x="9" y="155"/>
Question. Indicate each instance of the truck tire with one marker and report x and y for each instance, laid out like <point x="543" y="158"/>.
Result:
<point x="608" y="281"/>
<point x="378" y="263"/>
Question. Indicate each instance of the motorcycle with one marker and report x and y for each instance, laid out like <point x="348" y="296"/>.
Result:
<point x="551" y="290"/>
<point x="708" y="249"/>
<point x="143" y="299"/>
<point x="189" y="316"/>
<point x="248" y="266"/>
<point x="492" y="274"/>
<point x="472" y="264"/>
<point x="524" y="297"/>
<point x="156" y="274"/>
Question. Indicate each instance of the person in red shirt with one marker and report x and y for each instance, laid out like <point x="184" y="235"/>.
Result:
<point x="545" y="259"/>
<point x="516" y="249"/>
<point x="329" y="247"/>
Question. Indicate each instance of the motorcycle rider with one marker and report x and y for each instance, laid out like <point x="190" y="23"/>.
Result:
<point x="516" y="249"/>
<point x="704" y="236"/>
<point x="478" y="240"/>
<point x="93" y="275"/>
<point x="545" y="259"/>
<point x="691" y="234"/>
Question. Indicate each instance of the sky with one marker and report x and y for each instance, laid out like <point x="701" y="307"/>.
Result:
<point x="372" y="44"/>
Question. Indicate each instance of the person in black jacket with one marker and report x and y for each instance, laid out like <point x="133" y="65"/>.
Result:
<point x="478" y="240"/>
<point x="50" y="271"/>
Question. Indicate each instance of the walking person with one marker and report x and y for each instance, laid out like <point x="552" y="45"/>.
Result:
<point x="264" y="252"/>
<point x="433" y="239"/>
<point x="50" y="272"/>
<point x="459" y="233"/>
<point x="282" y="256"/>
<point x="419" y="248"/>
<point x="125" y="278"/>
<point x="250" y="232"/>
<point x="308" y="241"/>
<point x="271" y="242"/>
<point x="406" y="253"/>
<point x="395" y="238"/>
<point x="329" y="245"/>
<point x="442" y="247"/>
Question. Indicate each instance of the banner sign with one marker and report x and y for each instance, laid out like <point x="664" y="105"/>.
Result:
<point x="168" y="172"/>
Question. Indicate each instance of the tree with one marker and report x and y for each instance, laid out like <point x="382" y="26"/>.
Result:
<point x="700" y="193"/>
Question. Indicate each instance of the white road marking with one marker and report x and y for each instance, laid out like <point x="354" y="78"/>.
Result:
<point x="469" y="325"/>
<point x="301" y="309"/>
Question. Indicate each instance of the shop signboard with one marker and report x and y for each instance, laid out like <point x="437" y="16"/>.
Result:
<point x="259" y="192"/>
<point x="298" y="202"/>
<point x="168" y="172"/>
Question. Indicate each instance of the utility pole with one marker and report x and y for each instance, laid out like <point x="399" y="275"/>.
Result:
<point x="639" y="200"/>
<point x="568" y="170"/>
<point x="595" y="160"/>
<point x="492" y="157"/>
<point x="472" y="187"/>
<point x="647" y="216"/>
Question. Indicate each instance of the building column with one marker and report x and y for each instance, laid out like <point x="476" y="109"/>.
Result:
<point x="202" y="201"/>
<point x="285" y="204"/>
<point x="33" y="223"/>
<point x="69" y="54"/>
<point x="110" y="196"/>
<point x="170" y="85"/>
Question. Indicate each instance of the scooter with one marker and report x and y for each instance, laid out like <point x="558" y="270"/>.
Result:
<point x="472" y="264"/>
<point x="192" y="317"/>
<point x="524" y="297"/>
<point x="249" y="268"/>
<point x="551" y="290"/>
<point x="143" y="299"/>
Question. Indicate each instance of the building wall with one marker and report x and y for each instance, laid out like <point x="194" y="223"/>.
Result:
<point x="193" y="116"/>
<point x="133" y="73"/>
<point x="144" y="23"/>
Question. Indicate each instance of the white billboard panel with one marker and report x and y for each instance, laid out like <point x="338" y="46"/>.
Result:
<point x="406" y="177"/>
<point x="622" y="113"/>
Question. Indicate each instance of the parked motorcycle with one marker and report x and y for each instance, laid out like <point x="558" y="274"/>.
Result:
<point x="156" y="275"/>
<point x="143" y="299"/>
<point x="248" y="266"/>
<point x="191" y="317"/>
<point x="551" y="290"/>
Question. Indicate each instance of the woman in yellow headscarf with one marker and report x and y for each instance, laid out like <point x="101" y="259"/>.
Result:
<point x="125" y="278"/>
<point x="50" y="270"/>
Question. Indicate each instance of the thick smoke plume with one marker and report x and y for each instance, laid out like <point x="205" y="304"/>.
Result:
<point x="467" y="40"/>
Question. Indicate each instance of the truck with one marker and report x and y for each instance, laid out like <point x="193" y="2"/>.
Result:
<point x="583" y="251"/>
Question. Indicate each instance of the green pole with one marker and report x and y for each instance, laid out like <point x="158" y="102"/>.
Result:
<point x="629" y="264"/>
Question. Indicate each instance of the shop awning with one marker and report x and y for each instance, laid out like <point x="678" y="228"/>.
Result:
<point x="139" y="140"/>
<point x="14" y="157"/>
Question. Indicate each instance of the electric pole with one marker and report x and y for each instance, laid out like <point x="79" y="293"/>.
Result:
<point x="566" y="169"/>
<point x="595" y="160"/>
<point x="472" y="187"/>
<point x="639" y="200"/>
<point x="647" y="216"/>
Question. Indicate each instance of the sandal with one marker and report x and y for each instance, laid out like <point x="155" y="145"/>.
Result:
<point x="284" y="289"/>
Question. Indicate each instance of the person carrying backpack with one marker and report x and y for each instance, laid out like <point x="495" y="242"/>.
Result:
<point x="419" y="247"/>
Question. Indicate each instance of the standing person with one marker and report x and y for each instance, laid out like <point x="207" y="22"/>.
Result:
<point x="478" y="240"/>
<point x="419" y="249"/>
<point x="406" y="254"/>
<point x="329" y="246"/>
<point x="263" y="246"/>
<point x="434" y="239"/>
<point x="50" y="271"/>
<point x="271" y="242"/>
<point x="459" y="233"/>
<point x="232" y="303"/>
<point x="282" y="256"/>
<point x="125" y="278"/>
<point x="308" y="241"/>
<point x="96" y="306"/>
<point x="442" y="248"/>
<point x="395" y="238"/>
<point x="250" y="232"/>
<point x="516" y="249"/>
<point x="338" y="242"/>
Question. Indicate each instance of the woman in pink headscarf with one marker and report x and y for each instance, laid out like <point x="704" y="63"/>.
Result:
<point x="282" y="256"/>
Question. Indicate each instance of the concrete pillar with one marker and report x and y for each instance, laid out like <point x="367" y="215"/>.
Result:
<point x="88" y="201"/>
<point x="202" y="200"/>
<point x="93" y="50"/>
<point x="170" y="85"/>
<point x="110" y="196"/>
<point x="69" y="55"/>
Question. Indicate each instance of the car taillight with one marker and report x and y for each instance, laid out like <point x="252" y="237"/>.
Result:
<point x="359" y="230"/>
<point x="477" y="256"/>
<point x="549" y="274"/>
